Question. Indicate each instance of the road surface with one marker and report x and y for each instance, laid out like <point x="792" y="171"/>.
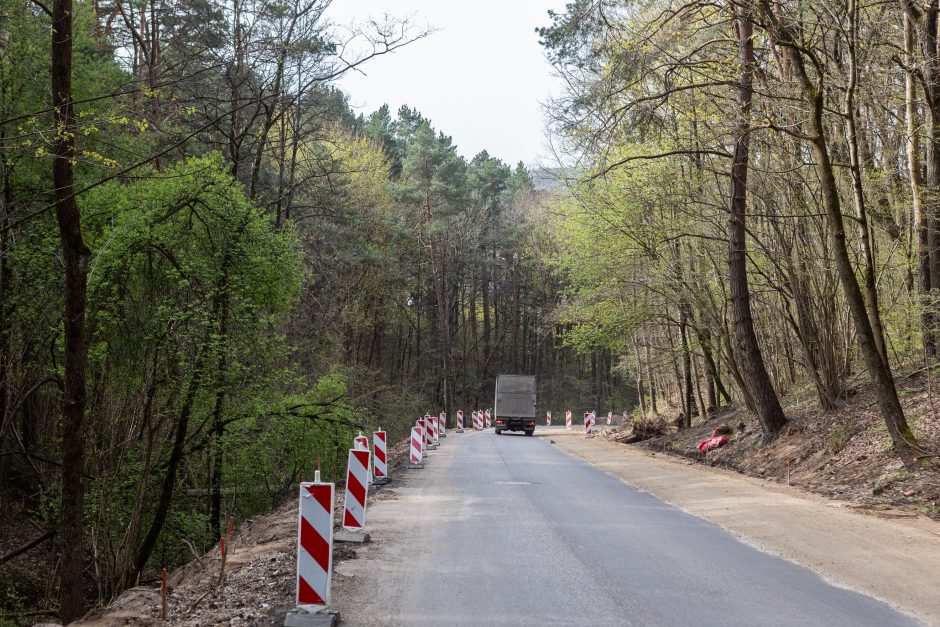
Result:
<point x="510" y="530"/>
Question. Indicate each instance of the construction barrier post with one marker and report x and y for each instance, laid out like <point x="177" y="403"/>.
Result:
<point x="610" y="417"/>
<point x="568" y="420"/>
<point x="443" y="424"/>
<point x="357" y="494"/>
<point x="588" y="425"/>
<point x="548" y="419"/>
<point x="362" y="442"/>
<point x="434" y="433"/>
<point x="314" y="555"/>
<point x="459" y="421"/>
<point x="424" y="423"/>
<point x="379" y="458"/>
<point x="416" y="449"/>
<point x="489" y="422"/>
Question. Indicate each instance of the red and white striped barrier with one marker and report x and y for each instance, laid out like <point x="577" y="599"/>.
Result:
<point x="548" y="419"/>
<point x="588" y="425"/>
<point x="442" y="426"/>
<point x="417" y="448"/>
<point x="379" y="457"/>
<point x="362" y="442"/>
<point x="610" y="417"/>
<point x="357" y="490"/>
<point x="425" y="432"/>
<point x="435" y="434"/>
<point x="459" y="421"/>
<point x="478" y="421"/>
<point x="568" y="420"/>
<point x="315" y="543"/>
<point x="489" y="422"/>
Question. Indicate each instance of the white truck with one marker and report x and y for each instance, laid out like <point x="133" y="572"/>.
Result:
<point x="514" y="408"/>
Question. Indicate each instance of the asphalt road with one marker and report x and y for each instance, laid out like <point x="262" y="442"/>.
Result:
<point x="510" y="530"/>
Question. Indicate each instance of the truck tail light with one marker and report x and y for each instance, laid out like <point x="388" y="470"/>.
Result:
<point x="500" y="422"/>
<point x="531" y="423"/>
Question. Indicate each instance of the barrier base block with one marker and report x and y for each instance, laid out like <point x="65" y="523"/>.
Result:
<point x="300" y="617"/>
<point x="351" y="536"/>
<point x="443" y="435"/>
<point x="459" y="430"/>
<point x="381" y="480"/>
<point x="589" y="436"/>
<point x="414" y="466"/>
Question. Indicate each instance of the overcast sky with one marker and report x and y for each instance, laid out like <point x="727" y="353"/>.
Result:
<point x="481" y="77"/>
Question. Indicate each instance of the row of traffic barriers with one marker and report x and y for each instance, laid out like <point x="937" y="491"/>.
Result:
<point x="315" y="535"/>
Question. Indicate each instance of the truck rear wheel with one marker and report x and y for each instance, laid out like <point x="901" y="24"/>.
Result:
<point x="499" y="432"/>
<point x="529" y="431"/>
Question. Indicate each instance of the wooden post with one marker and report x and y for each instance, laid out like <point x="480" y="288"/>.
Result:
<point x="228" y="535"/>
<point x="222" y="567"/>
<point x="163" y="593"/>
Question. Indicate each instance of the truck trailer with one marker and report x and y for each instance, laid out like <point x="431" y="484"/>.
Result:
<point x="514" y="408"/>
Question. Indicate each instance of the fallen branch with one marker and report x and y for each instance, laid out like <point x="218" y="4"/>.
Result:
<point x="195" y="554"/>
<point x="46" y="536"/>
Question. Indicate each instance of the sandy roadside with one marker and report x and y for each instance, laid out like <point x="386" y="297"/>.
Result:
<point x="896" y="561"/>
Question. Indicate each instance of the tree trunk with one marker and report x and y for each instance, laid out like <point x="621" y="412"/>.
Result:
<point x="650" y="379"/>
<point x="855" y="167"/>
<point x="746" y="349"/>
<point x="641" y="395"/>
<point x="905" y="444"/>
<point x="172" y="466"/>
<point x="75" y="259"/>
<point x="688" y="399"/>
<point x="931" y="199"/>
<point x="914" y="172"/>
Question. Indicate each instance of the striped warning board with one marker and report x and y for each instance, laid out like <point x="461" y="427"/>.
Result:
<point x="489" y="422"/>
<point x="417" y="446"/>
<point x="442" y="424"/>
<point x="548" y="419"/>
<point x="568" y="420"/>
<point x="478" y="420"/>
<point x="357" y="490"/>
<point x="379" y="448"/>
<point x="362" y="442"/>
<point x="459" y="421"/>
<point x="315" y="543"/>
<point x="435" y="433"/>
<point x="425" y="433"/>
<point x="610" y="417"/>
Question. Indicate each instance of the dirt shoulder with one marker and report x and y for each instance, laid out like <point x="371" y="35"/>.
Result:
<point x="260" y="574"/>
<point x="894" y="560"/>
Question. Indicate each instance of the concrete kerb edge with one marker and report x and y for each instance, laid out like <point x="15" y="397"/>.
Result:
<point x="359" y="537"/>
<point x="301" y="617"/>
